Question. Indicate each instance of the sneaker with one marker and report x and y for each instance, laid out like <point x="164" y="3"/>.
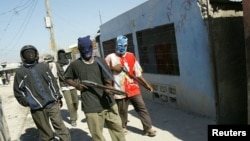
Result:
<point x="150" y="133"/>
<point x="73" y="123"/>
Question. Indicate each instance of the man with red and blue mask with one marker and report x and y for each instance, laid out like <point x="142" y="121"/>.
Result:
<point x="123" y="65"/>
<point x="97" y="113"/>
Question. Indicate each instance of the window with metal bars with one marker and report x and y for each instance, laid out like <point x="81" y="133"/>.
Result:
<point x="158" y="50"/>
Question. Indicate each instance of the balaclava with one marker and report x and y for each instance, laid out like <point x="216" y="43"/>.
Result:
<point x="85" y="47"/>
<point x="62" y="59"/>
<point x="121" y="44"/>
<point x="29" y="54"/>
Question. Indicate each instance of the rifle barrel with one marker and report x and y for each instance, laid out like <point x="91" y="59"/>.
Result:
<point x="93" y="84"/>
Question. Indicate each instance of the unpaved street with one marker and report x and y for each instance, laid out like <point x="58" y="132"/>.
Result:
<point x="171" y="123"/>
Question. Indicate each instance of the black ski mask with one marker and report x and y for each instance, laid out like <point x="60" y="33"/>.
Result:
<point x="30" y="56"/>
<point x="62" y="59"/>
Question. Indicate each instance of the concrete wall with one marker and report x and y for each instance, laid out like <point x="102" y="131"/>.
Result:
<point x="230" y="68"/>
<point x="195" y="90"/>
<point x="226" y="35"/>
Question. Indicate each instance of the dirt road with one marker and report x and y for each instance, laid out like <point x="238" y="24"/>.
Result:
<point x="171" y="123"/>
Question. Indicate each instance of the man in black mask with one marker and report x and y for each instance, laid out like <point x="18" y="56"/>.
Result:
<point x="29" y="55"/>
<point x="69" y="92"/>
<point x="35" y="87"/>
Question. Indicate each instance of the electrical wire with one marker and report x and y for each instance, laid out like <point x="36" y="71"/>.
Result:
<point x="9" y="47"/>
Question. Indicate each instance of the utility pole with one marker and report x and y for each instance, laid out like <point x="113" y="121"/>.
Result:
<point x="49" y="25"/>
<point x="100" y="17"/>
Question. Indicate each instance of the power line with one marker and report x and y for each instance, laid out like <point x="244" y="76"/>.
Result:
<point x="9" y="46"/>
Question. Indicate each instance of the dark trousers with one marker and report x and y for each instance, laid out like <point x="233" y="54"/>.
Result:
<point x="139" y="106"/>
<point x="42" y="120"/>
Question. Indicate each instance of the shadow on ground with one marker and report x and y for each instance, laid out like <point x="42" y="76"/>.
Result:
<point x="31" y="134"/>
<point x="183" y="125"/>
<point x="65" y="115"/>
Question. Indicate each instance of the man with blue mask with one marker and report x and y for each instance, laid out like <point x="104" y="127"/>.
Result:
<point x="96" y="110"/>
<point x="121" y="44"/>
<point x="123" y="65"/>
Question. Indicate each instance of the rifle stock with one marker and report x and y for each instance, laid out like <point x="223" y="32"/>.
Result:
<point x="94" y="84"/>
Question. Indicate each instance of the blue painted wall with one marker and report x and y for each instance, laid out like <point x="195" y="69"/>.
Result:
<point x="195" y="90"/>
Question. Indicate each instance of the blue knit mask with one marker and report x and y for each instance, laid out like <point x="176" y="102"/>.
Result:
<point x="121" y="44"/>
<point x="85" y="47"/>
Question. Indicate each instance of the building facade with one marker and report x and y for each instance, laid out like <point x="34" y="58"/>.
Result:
<point x="192" y="52"/>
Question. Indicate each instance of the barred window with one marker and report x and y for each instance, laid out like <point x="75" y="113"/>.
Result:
<point x="158" y="50"/>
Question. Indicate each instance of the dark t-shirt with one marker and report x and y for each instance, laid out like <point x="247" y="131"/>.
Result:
<point x="91" y="97"/>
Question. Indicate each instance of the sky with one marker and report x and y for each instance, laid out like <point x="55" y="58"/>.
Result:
<point x="22" y="23"/>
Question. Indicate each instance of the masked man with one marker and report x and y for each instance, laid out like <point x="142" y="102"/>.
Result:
<point x="35" y="87"/>
<point x="99" y="107"/>
<point x="123" y="65"/>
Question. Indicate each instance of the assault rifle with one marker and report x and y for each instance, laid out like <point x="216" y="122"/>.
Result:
<point x="94" y="84"/>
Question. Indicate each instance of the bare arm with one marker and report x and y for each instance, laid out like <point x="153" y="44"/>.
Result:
<point x="145" y="83"/>
<point x="78" y="86"/>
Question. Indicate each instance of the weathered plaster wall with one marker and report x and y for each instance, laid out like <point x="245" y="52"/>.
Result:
<point x="227" y="41"/>
<point x="226" y="35"/>
<point x="194" y="87"/>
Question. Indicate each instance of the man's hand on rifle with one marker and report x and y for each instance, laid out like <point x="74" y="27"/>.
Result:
<point x="144" y="83"/>
<point x="107" y="91"/>
<point x="78" y="86"/>
<point x="108" y="88"/>
<point x="149" y="88"/>
<point x="117" y="68"/>
<point x="81" y="87"/>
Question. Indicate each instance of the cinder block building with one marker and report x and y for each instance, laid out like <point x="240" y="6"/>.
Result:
<point x="192" y="51"/>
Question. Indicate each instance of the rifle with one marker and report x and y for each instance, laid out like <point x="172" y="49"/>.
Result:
<point x="94" y="84"/>
<point x="124" y="69"/>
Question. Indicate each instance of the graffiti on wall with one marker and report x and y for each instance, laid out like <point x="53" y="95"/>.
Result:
<point x="186" y="5"/>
